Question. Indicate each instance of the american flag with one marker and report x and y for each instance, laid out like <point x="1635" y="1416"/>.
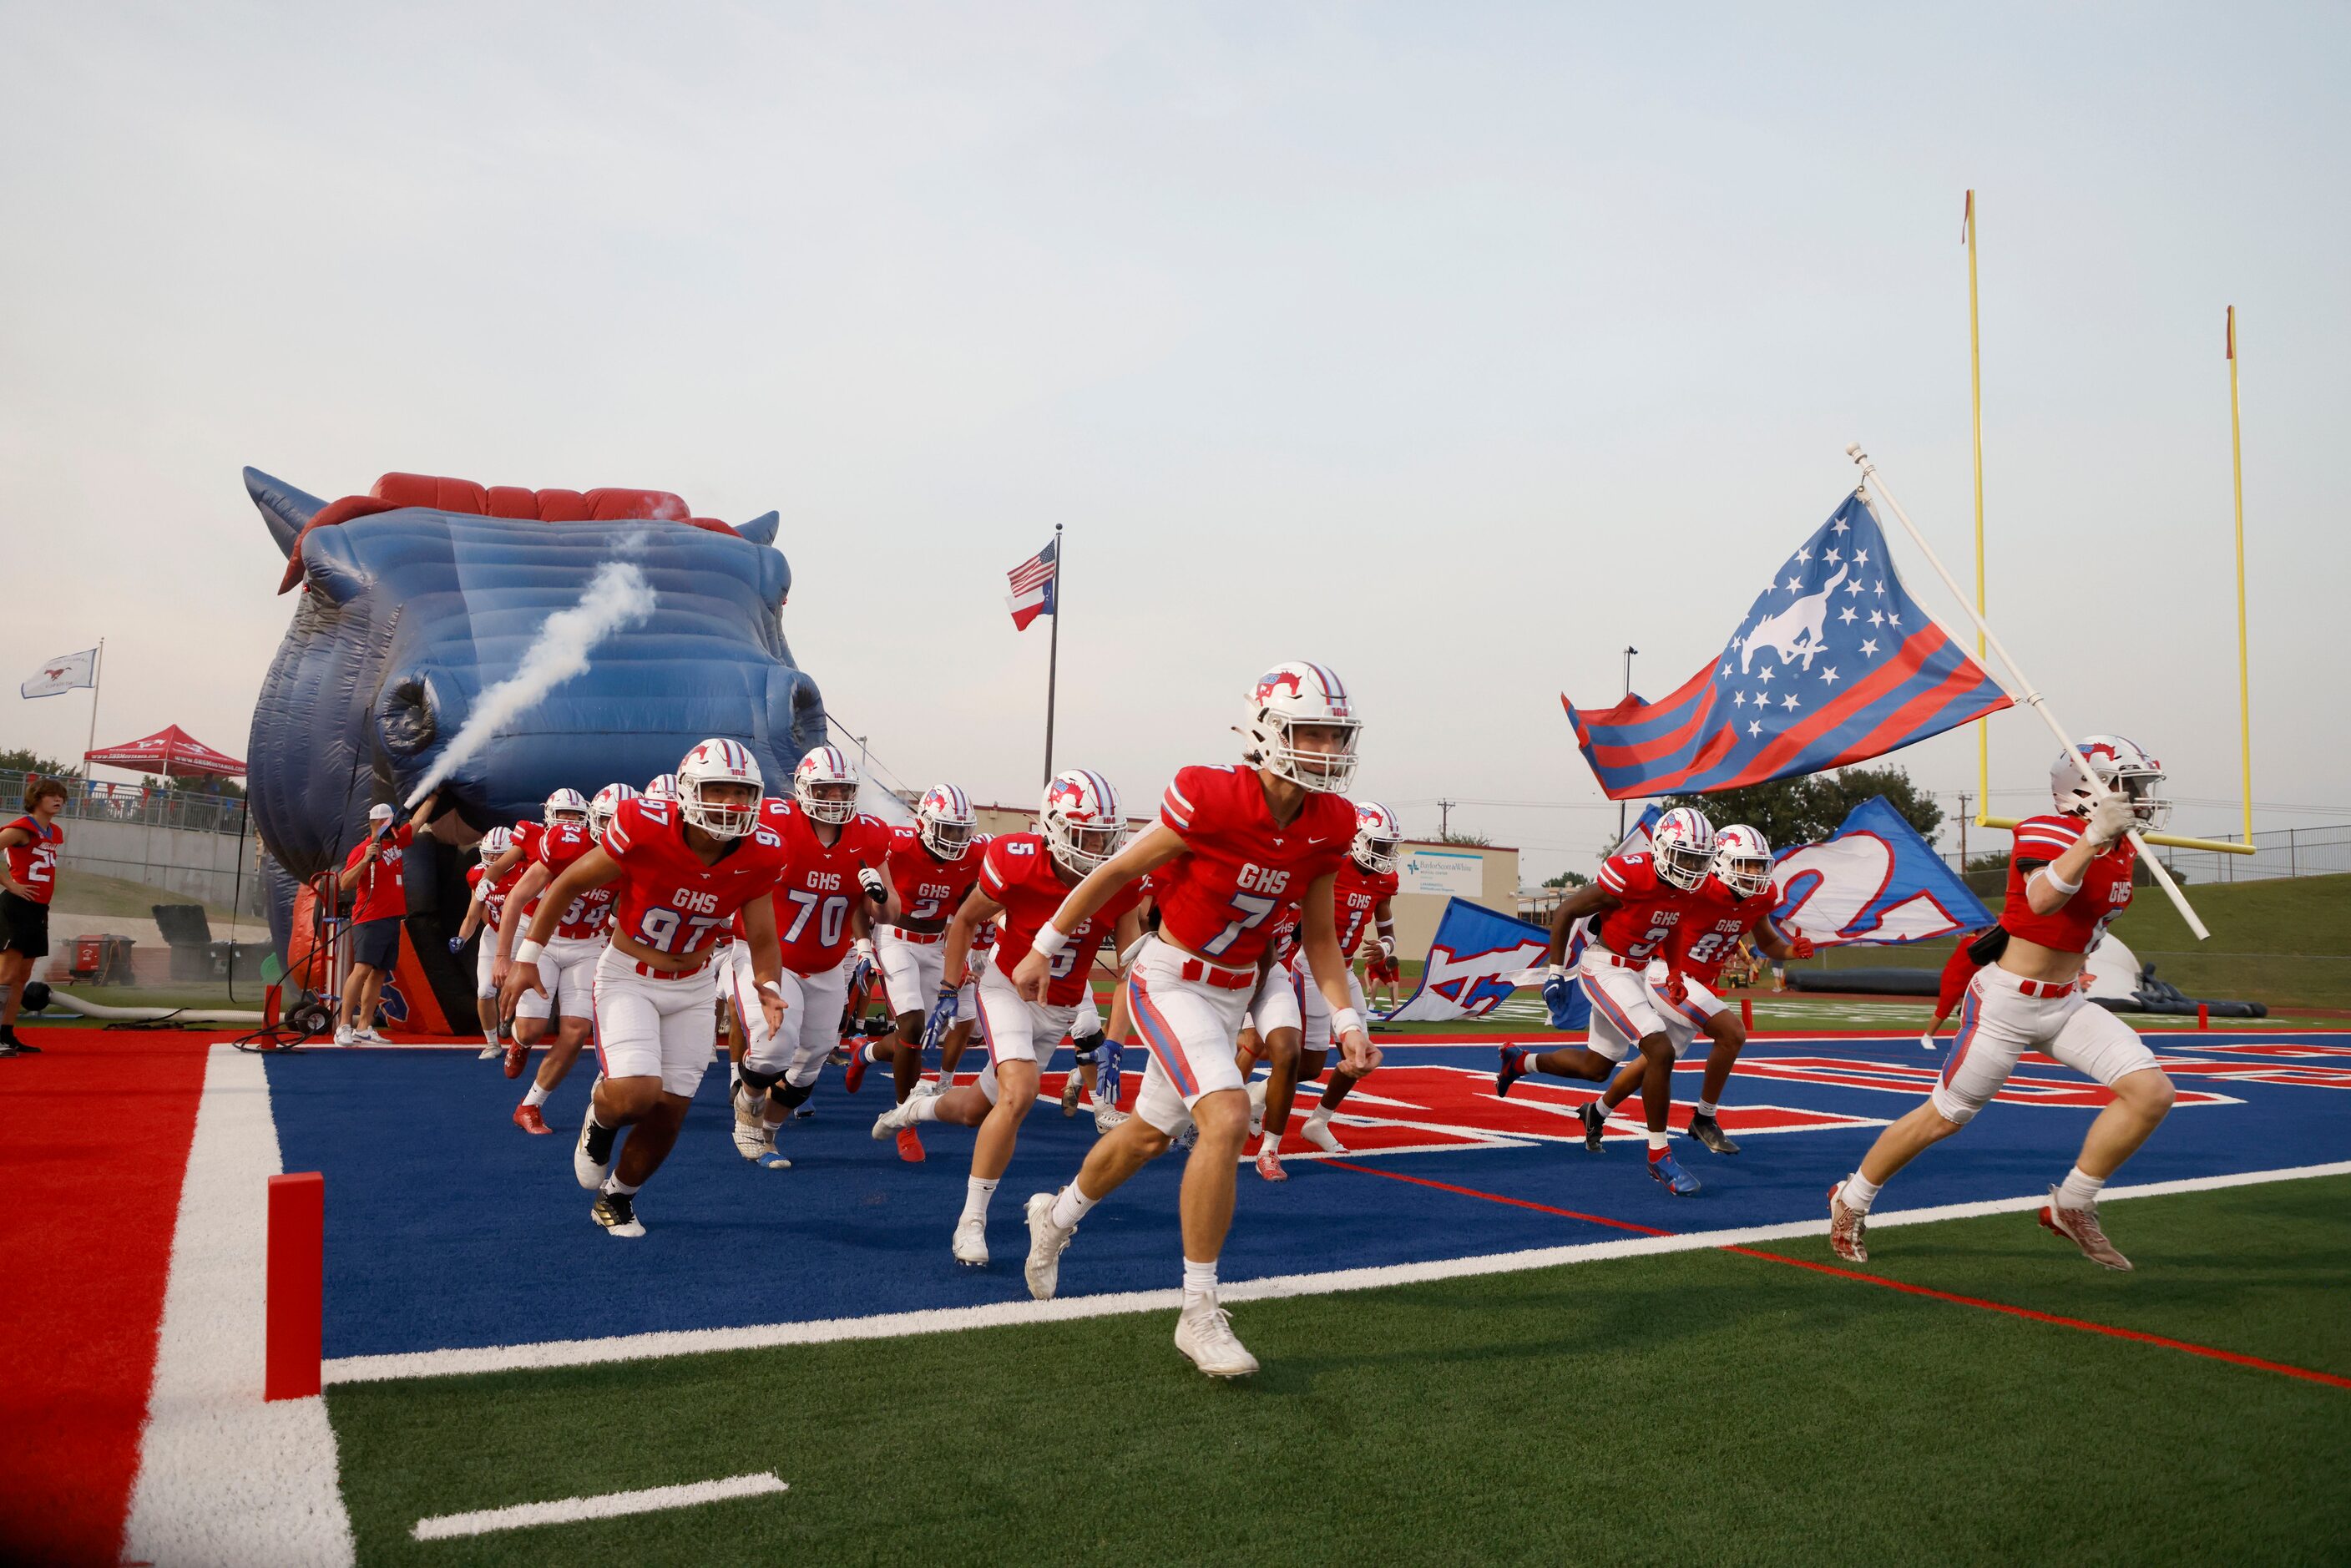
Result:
<point x="1032" y="586"/>
<point x="1834" y="664"/>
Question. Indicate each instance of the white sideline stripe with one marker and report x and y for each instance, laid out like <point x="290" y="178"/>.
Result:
<point x="223" y="1478"/>
<point x="611" y="1505"/>
<point x="462" y="1362"/>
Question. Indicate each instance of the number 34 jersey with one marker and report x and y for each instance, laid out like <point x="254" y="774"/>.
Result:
<point x="1221" y="897"/>
<point x="1018" y="874"/>
<point x="669" y="900"/>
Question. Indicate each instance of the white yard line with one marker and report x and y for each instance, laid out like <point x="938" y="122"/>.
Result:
<point x="998" y="1314"/>
<point x="225" y="1479"/>
<point x="611" y="1505"/>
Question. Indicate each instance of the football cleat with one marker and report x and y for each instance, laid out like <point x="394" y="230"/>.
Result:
<point x="772" y="1161"/>
<point x="1596" y="1124"/>
<point x="517" y="1053"/>
<point x="1204" y="1331"/>
<point x="1318" y="1132"/>
<point x="853" y="1077"/>
<point x="1069" y="1089"/>
<point x="910" y="1146"/>
<point x="1107" y="1117"/>
<point x="1268" y="1161"/>
<point x="1513" y="1068"/>
<point x="2080" y="1227"/>
<point x="1667" y="1169"/>
<point x="1256" y="1090"/>
<point x="617" y="1213"/>
<point x="1848" y="1228"/>
<point x="1046" y="1243"/>
<point x="591" y="1159"/>
<point x="1709" y="1131"/>
<point x="899" y="1115"/>
<point x="527" y="1118"/>
<point x="970" y="1244"/>
<point x="491" y="1051"/>
<point x="754" y="1139"/>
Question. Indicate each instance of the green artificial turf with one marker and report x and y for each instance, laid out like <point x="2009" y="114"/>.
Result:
<point x="1690" y="1407"/>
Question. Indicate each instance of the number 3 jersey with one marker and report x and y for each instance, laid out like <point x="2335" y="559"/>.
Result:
<point x="1018" y="874"/>
<point x="819" y="885"/>
<point x="1649" y="909"/>
<point x="669" y="900"/>
<point x="1220" y="896"/>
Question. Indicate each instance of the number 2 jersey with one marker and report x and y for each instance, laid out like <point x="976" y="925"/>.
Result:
<point x="931" y="889"/>
<point x="668" y="899"/>
<point x="1649" y="909"/>
<point x="1018" y="873"/>
<point x="1240" y="867"/>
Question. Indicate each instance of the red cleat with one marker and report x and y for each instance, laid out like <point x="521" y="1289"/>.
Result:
<point x="516" y="1054"/>
<point x="853" y="1077"/>
<point x="527" y="1118"/>
<point x="910" y="1146"/>
<point x="1269" y="1160"/>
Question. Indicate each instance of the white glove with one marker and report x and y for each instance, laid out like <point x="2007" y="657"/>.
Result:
<point x="2110" y="819"/>
<point x="863" y="948"/>
<point x="1388" y="946"/>
<point x="876" y="888"/>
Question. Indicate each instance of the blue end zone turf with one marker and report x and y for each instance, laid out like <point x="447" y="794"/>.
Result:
<point x="446" y="1225"/>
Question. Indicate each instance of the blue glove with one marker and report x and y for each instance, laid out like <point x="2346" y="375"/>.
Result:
<point x="1106" y="1072"/>
<point x="456" y="944"/>
<point x="1554" y="992"/>
<point x="943" y="1017"/>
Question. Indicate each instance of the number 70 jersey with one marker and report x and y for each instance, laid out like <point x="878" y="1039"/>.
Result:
<point x="819" y="884"/>
<point x="669" y="900"/>
<point x="1239" y="869"/>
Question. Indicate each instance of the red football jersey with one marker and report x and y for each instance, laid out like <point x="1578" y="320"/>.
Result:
<point x="819" y="883"/>
<point x="1018" y="874"/>
<point x="2076" y="925"/>
<point x="668" y="899"/>
<point x="558" y="848"/>
<point x="380" y="894"/>
<point x="34" y="864"/>
<point x="931" y="889"/>
<point x="1705" y="940"/>
<point x="1355" y="898"/>
<point x="1649" y="909"/>
<point x="1221" y="895"/>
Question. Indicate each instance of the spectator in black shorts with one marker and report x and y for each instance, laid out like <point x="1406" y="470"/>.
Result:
<point x="379" y="907"/>
<point x="29" y="874"/>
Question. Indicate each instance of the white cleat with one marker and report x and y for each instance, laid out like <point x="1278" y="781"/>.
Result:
<point x="1204" y="1331"/>
<point x="896" y="1117"/>
<point x="617" y="1213"/>
<point x="1047" y="1242"/>
<point x="494" y="1052"/>
<point x="971" y="1240"/>
<point x="590" y="1174"/>
<point x="1256" y="1106"/>
<point x="930" y="1086"/>
<point x="1318" y="1132"/>
<point x="757" y="1143"/>
<point x="1107" y="1117"/>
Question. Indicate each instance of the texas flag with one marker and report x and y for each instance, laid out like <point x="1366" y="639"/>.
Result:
<point x="1834" y="664"/>
<point x="63" y="674"/>
<point x="1032" y="586"/>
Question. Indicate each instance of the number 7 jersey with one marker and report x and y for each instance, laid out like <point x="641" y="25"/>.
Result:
<point x="1240" y="867"/>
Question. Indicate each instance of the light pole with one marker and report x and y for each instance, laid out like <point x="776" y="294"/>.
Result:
<point x="1629" y="651"/>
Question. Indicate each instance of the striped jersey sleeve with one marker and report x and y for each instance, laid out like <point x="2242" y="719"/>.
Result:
<point x="2045" y="837"/>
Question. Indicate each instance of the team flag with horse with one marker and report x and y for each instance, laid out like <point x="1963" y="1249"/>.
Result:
<point x="1834" y="664"/>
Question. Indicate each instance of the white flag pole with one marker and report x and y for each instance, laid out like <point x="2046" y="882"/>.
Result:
<point x="2031" y="697"/>
<point x="97" y="669"/>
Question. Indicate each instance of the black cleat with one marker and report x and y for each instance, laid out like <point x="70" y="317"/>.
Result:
<point x="22" y="1046"/>
<point x="617" y="1212"/>
<point x="1596" y="1124"/>
<point x="1709" y="1131"/>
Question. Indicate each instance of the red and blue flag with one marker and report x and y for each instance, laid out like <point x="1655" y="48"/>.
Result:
<point x="1834" y="664"/>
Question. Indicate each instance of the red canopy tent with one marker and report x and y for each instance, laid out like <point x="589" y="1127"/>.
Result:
<point x="171" y="750"/>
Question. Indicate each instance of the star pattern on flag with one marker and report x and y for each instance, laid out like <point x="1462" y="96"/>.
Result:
<point x="1829" y="675"/>
<point x="1870" y="647"/>
<point x="1791" y="703"/>
<point x="1846" y="615"/>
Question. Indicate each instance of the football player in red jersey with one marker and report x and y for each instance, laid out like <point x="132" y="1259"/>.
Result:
<point x="1025" y="879"/>
<point x="1232" y="846"/>
<point x="567" y="967"/>
<point x="932" y="865"/>
<point x="481" y="910"/>
<point x="2069" y="874"/>
<point x="1639" y="900"/>
<point x="684" y="868"/>
<point x="832" y="859"/>
<point x="1736" y="898"/>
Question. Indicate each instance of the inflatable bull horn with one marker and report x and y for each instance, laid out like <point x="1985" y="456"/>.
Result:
<point x="288" y="511"/>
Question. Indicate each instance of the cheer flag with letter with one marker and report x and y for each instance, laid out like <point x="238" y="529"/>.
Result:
<point x="1032" y="586"/>
<point x="63" y="674"/>
<point x="1834" y="663"/>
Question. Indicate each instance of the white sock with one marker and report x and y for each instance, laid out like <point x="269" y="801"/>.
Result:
<point x="1859" y="1193"/>
<point x="2079" y="1191"/>
<point x="1200" y="1280"/>
<point x="1706" y="1107"/>
<point x="927" y="1109"/>
<point x="490" y="1036"/>
<point x="535" y="1096"/>
<point x="1657" y="1139"/>
<point x="975" y="1194"/>
<point x="614" y="1184"/>
<point x="1071" y="1207"/>
<point x="1320" y="1113"/>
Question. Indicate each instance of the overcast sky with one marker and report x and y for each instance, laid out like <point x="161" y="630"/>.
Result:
<point x="1456" y="346"/>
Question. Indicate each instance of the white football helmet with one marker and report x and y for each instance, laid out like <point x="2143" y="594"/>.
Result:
<point x="496" y="842"/>
<point x="607" y="802"/>
<point x="943" y="820"/>
<point x="663" y="788"/>
<point x="1379" y="839"/>
<point x="1682" y="844"/>
<point x="1081" y="820"/>
<point x="1743" y="858"/>
<point x="1291" y="694"/>
<point x="826" y="768"/>
<point x="719" y="762"/>
<point x="565" y="806"/>
<point x="2121" y="765"/>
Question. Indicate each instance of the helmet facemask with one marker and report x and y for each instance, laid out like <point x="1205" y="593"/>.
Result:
<point x="1273" y="746"/>
<point x="834" y="809"/>
<point x="719" y="819"/>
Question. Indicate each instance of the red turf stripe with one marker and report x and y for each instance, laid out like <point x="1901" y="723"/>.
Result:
<point x="2209" y="1351"/>
<point x="97" y="1130"/>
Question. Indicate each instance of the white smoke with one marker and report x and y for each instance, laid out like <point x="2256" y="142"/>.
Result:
<point x="618" y="597"/>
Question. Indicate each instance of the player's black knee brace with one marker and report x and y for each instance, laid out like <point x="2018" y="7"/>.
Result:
<point x="789" y="1094"/>
<point x="757" y="1081"/>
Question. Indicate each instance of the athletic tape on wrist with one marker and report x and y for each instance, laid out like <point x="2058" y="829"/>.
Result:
<point x="528" y="951"/>
<point x="1345" y="1023"/>
<point x="1051" y="940"/>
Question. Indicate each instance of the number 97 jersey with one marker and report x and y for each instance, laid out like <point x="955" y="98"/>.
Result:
<point x="669" y="900"/>
<point x="1222" y="897"/>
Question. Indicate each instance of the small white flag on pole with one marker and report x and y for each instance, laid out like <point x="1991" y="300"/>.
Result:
<point x="63" y="674"/>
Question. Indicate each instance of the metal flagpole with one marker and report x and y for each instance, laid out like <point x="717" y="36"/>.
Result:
<point x="1053" y="657"/>
<point x="97" y="669"/>
<point x="2032" y="697"/>
<point x="2244" y="675"/>
<point x="1975" y="388"/>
